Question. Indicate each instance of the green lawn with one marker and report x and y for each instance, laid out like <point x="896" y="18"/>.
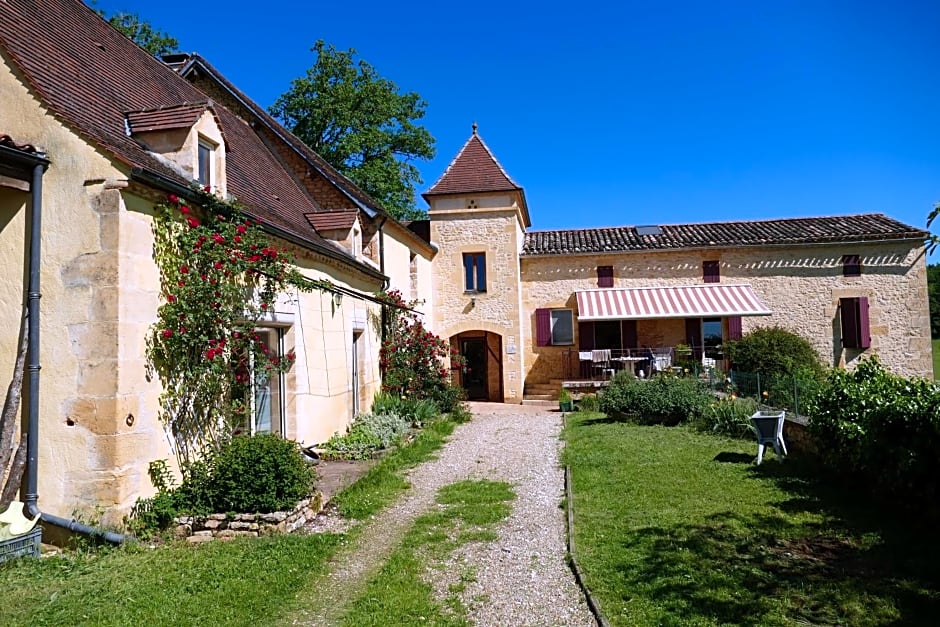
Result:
<point x="673" y="527"/>
<point x="248" y="581"/>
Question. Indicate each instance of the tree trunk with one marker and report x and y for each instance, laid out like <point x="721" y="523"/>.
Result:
<point x="11" y="405"/>
<point x="17" y="470"/>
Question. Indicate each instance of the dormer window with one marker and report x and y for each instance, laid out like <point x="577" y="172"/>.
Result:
<point x="205" y="160"/>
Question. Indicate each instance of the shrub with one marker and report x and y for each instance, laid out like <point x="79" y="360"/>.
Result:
<point x="260" y="473"/>
<point x="367" y="434"/>
<point x="881" y="430"/>
<point x="665" y="399"/>
<point x="729" y="416"/>
<point x="589" y="402"/>
<point x="774" y="351"/>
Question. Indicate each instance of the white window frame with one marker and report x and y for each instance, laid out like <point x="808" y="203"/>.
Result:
<point x="211" y="146"/>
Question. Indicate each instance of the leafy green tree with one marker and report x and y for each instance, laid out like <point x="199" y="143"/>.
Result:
<point x="933" y="297"/>
<point x="362" y="124"/>
<point x="154" y="41"/>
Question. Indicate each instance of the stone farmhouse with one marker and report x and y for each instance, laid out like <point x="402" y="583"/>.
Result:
<point x="531" y="309"/>
<point x="94" y="132"/>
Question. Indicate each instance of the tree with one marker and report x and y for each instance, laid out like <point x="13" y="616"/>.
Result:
<point x="156" y="42"/>
<point x="361" y="124"/>
<point x="933" y="297"/>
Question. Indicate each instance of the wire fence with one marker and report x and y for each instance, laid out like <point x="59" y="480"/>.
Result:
<point x="794" y="393"/>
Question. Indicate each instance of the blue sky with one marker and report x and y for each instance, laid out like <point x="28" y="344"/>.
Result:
<point x="632" y="112"/>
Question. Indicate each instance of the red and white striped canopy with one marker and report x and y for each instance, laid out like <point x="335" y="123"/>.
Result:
<point x="695" y="301"/>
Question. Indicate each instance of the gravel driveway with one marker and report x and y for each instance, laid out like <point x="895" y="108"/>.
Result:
<point x="521" y="578"/>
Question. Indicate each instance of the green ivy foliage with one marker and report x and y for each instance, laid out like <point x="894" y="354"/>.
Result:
<point x="881" y="430"/>
<point x="413" y="360"/>
<point x="219" y="274"/>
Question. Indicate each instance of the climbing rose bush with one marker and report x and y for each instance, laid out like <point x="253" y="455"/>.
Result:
<point x="218" y="276"/>
<point x="413" y="360"/>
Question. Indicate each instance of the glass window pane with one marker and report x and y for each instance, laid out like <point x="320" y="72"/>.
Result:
<point x="468" y="272"/>
<point x="711" y="337"/>
<point x="481" y="272"/>
<point x="562" y="327"/>
<point x="267" y="389"/>
<point x="205" y="160"/>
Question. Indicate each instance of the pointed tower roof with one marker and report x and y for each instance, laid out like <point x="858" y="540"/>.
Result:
<point x="474" y="169"/>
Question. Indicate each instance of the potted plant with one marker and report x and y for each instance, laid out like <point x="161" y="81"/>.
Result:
<point x="564" y="400"/>
<point x="683" y="350"/>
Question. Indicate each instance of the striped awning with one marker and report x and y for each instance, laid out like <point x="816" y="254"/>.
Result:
<point x="695" y="301"/>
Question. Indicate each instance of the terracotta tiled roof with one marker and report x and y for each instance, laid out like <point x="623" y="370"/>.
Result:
<point x="9" y="142"/>
<point x="90" y="77"/>
<point x="332" y="220"/>
<point x="836" y="229"/>
<point x="165" y="118"/>
<point x="474" y="169"/>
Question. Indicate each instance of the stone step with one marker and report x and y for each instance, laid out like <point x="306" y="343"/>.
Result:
<point x="540" y="397"/>
<point x="539" y="403"/>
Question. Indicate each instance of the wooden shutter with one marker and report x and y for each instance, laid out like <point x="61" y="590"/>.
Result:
<point x="543" y="327"/>
<point x="734" y="327"/>
<point x="605" y="276"/>
<point x="851" y="265"/>
<point x="711" y="272"/>
<point x="856" y="327"/>
<point x="586" y="336"/>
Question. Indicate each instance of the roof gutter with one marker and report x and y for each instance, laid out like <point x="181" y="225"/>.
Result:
<point x="161" y="182"/>
<point x="31" y="489"/>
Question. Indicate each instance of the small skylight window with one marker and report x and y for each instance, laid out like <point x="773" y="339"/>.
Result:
<point x="650" y="229"/>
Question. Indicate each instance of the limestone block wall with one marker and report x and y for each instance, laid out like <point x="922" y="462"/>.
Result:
<point x="495" y="233"/>
<point x="801" y="285"/>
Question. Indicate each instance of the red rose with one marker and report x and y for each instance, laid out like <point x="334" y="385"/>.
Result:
<point x="241" y="228"/>
<point x="167" y="333"/>
<point x="184" y="210"/>
<point x="170" y="298"/>
<point x="184" y="269"/>
<point x="218" y="239"/>
<point x="193" y="222"/>
<point x="238" y="240"/>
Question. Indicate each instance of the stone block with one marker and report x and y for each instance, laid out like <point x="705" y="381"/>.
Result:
<point x="195" y="539"/>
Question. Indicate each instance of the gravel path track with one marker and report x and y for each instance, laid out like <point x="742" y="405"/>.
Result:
<point x="519" y="579"/>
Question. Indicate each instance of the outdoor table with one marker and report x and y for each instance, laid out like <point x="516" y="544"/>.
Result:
<point x="629" y="360"/>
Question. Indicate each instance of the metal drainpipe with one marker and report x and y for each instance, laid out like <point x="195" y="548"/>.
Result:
<point x="32" y="420"/>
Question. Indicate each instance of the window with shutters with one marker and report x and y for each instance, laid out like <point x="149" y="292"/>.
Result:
<point x="851" y="265"/>
<point x="856" y="329"/>
<point x="474" y="268"/>
<point x="554" y="327"/>
<point x="605" y="276"/>
<point x="710" y="272"/>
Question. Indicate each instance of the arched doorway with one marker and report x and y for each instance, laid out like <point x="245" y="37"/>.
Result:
<point x="482" y="375"/>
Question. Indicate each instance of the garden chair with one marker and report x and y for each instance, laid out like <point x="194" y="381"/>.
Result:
<point x="662" y="359"/>
<point x="601" y="361"/>
<point x="768" y="426"/>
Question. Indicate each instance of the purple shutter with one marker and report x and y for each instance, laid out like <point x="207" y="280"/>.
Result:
<point x="734" y="327"/>
<point x="864" y="328"/>
<point x="586" y="336"/>
<point x="851" y="265"/>
<point x="711" y="272"/>
<point x="543" y="327"/>
<point x="605" y="276"/>
<point x="856" y="326"/>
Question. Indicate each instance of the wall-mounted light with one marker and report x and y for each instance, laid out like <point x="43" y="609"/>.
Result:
<point x="337" y="299"/>
<point x="473" y="301"/>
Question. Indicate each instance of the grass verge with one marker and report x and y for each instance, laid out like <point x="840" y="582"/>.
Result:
<point x="399" y="593"/>
<point x="238" y="582"/>
<point x="384" y="482"/>
<point x="674" y="527"/>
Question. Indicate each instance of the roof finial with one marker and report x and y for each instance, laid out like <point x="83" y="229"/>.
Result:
<point x="474" y="127"/>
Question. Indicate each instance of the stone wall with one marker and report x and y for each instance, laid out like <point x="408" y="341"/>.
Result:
<point x="491" y="229"/>
<point x="802" y="285"/>
<point x="226" y="526"/>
